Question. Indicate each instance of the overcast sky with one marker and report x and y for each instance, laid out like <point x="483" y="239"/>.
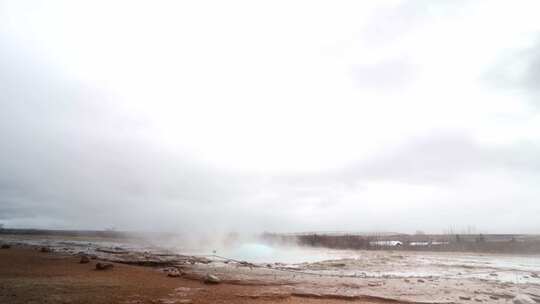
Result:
<point x="270" y="115"/>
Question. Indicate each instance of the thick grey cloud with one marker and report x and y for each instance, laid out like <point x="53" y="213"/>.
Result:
<point x="94" y="137"/>
<point x="70" y="160"/>
<point x="518" y="70"/>
<point x="443" y="158"/>
<point x="441" y="180"/>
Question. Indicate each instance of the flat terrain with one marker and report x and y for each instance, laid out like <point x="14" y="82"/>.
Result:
<point x="252" y="272"/>
<point x="29" y="276"/>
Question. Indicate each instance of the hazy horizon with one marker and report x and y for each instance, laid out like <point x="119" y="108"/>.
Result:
<point x="282" y="116"/>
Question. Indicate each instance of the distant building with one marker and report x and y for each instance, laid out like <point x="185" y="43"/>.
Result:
<point x="386" y="243"/>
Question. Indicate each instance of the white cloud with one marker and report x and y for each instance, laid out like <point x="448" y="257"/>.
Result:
<point x="256" y="95"/>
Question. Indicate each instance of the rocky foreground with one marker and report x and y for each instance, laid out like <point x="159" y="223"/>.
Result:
<point x="32" y="276"/>
<point x="194" y="278"/>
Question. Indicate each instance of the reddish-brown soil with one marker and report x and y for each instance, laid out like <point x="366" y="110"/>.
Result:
<point x="29" y="276"/>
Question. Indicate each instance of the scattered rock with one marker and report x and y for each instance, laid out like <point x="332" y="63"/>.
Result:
<point x="494" y="297"/>
<point x="45" y="249"/>
<point x="192" y="260"/>
<point x="5" y="246"/>
<point x="84" y="259"/>
<point x="421" y="281"/>
<point x="407" y="280"/>
<point x="175" y="274"/>
<point x="246" y="264"/>
<point x="104" y="266"/>
<point x="535" y="275"/>
<point x="211" y="279"/>
<point x="464" y="298"/>
<point x="523" y="299"/>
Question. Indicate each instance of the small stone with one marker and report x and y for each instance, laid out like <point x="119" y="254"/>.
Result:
<point x="494" y="297"/>
<point x="421" y="281"/>
<point x="211" y="279"/>
<point x="45" y="249"/>
<point x="84" y="259"/>
<point x="5" y="246"/>
<point x="464" y="298"/>
<point x="104" y="266"/>
<point x="174" y="274"/>
<point x="185" y="301"/>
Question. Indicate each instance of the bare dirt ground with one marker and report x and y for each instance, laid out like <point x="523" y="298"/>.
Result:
<point x="29" y="276"/>
<point x="311" y="276"/>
